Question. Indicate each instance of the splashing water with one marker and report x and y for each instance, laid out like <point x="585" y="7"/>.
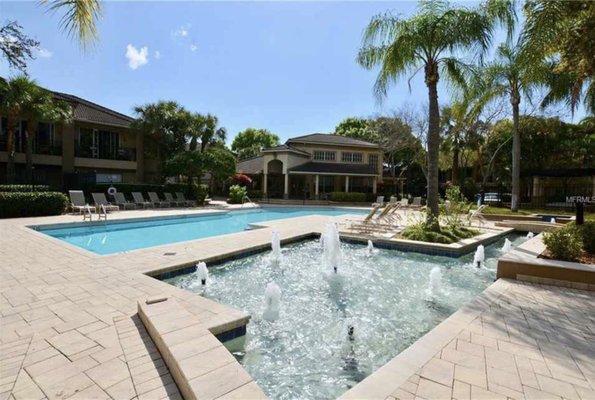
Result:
<point x="507" y="246"/>
<point x="276" y="246"/>
<point x="553" y="220"/>
<point x="272" y="302"/>
<point x="370" y="248"/>
<point x="435" y="285"/>
<point x="479" y="256"/>
<point x="202" y="272"/>
<point x="530" y="235"/>
<point x="331" y="244"/>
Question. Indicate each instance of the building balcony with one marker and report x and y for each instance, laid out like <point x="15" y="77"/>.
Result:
<point x="120" y="154"/>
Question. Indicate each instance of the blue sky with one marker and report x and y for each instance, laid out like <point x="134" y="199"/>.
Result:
<point x="285" y="66"/>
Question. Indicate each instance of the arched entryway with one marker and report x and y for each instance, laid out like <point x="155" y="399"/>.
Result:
<point x="275" y="179"/>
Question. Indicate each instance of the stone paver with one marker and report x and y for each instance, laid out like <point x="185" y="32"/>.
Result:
<point x="67" y="327"/>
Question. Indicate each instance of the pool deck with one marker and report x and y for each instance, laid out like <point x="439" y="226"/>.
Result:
<point x="69" y="326"/>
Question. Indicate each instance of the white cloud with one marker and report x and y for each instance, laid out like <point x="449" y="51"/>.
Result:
<point x="193" y="47"/>
<point x="44" y="53"/>
<point x="157" y="54"/>
<point x="137" y="57"/>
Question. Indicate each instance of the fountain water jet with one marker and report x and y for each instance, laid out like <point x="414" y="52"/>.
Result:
<point x="553" y="220"/>
<point x="530" y="235"/>
<point x="507" y="246"/>
<point x="435" y="284"/>
<point x="331" y="244"/>
<point x="202" y="272"/>
<point x="272" y="302"/>
<point x="276" y="246"/>
<point x="479" y="256"/>
<point x="370" y="248"/>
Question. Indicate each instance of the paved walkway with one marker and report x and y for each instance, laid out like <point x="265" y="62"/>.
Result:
<point x="68" y="328"/>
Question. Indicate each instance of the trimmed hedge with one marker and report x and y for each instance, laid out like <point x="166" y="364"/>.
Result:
<point x="349" y="197"/>
<point x="31" y="204"/>
<point x="24" y="188"/>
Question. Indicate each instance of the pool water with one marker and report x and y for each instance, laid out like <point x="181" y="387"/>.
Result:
<point x="307" y="353"/>
<point x="114" y="237"/>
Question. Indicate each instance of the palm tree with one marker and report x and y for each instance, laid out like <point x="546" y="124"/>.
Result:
<point x="431" y="40"/>
<point x="16" y="94"/>
<point x="42" y="108"/>
<point x="79" y="18"/>
<point x="514" y="74"/>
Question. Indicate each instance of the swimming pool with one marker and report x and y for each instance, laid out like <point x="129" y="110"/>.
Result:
<point x="118" y="236"/>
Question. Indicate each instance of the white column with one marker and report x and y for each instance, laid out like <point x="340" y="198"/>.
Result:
<point x="317" y="180"/>
<point x="374" y="185"/>
<point x="264" y="184"/>
<point x="286" y="186"/>
<point x="346" y="183"/>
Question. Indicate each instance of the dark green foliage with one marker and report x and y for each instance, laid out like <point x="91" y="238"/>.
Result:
<point x="588" y="234"/>
<point x="350" y="197"/>
<point x="31" y="204"/>
<point x="24" y="188"/>
<point x="449" y="234"/>
<point x="201" y="192"/>
<point x="564" y="243"/>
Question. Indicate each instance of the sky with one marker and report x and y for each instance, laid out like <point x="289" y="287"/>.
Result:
<point x="288" y="67"/>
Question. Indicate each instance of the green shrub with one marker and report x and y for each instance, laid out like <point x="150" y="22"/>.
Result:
<point x="588" y="234"/>
<point x="349" y="197"/>
<point x="236" y="194"/>
<point x="24" y="188"/>
<point x="447" y="234"/>
<point x="201" y="192"/>
<point x="31" y="204"/>
<point x="564" y="243"/>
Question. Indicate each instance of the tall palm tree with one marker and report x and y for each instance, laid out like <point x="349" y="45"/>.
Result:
<point x="16" y="94"/>
<point x="431" y="40"/>
<point x="514" y="74"/>
<point x="211" y="134"/>
<point x="79" y="18"/>
<point x="42" y="108"/>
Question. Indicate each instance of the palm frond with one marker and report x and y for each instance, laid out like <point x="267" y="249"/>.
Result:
<point x="79" y="18"/>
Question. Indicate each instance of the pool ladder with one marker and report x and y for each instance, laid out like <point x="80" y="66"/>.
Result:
<point x="102" y="213"/>
<point x="244" y="200"/>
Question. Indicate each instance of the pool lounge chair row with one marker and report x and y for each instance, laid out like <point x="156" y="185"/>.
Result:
<point x="79" y="204"/>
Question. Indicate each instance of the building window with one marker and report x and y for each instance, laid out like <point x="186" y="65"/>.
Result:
<point x="108" y="178"/>
<point x="373" y="159"/>
<point x="352" y="157"/>
<point x="324" y="155"/>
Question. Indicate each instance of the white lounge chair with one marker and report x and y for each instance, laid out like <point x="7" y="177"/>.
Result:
<point x="182" y="199"/>
<point x="78" y="202"/>
<point x="379" y="201"/>
<point x="404" y="202"/>
<point x="170" y="199"/>
<point x="157" y="202"/>
<point x="476" y="215"/>
<point x="100" y="200"/>
<point x="140" y="201"/>
<point x="121" y="201"/>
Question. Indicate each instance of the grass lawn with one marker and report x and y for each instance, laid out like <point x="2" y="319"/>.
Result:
<point x="529" y="211"/>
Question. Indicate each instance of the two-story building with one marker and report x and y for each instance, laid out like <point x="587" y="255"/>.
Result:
<point x="98" y="145"/>
<point x="314" y="165"/>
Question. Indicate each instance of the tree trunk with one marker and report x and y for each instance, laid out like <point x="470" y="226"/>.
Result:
<point x="455" y="162"/>
<point x="516" y="154"/>
<point x="433" y="146"/>
<point x="10" y="171"/>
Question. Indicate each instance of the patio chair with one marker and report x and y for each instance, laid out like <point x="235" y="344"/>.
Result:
<point x="157" y="202"/>
<point x="140" y="201"/>
<point x="182" y="199"/>
<point x="404" y="202"/>
<point x="77" y="201"/>
<point x="170" y="199"/>
<point x="384" y="221"/>
<point x="367" y="218"/>
<point x="416" y="202"/>
<point x="121" y="201"/>
<point x="379" y="201"/>
<point x="476" y="215"/>
<point x="100" y="200"/>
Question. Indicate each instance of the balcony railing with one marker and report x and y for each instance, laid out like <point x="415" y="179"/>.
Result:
<point x="54" y="149"/>
<point x="122" y="153"/>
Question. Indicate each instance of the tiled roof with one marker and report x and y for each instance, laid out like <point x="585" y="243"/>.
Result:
<point x="326" y="138"/>
<point x="286" y="147"/>
<point x="87" y="111"/>
<point x="335" y="168"/>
